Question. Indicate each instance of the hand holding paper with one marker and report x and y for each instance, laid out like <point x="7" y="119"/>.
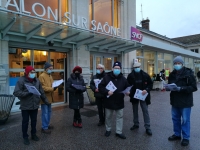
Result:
<point x="57" y="83"/>
<point x="127" y="90"/>
<point x="111" y="87"/>
<point x="171" y="87"/>
<point x="138" y="95"/>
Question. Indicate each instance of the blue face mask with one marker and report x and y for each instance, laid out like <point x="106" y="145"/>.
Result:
<point x="98" y="71"/>
<point x="49" y="71"/>
<point x="137" y="69"/>
<point x="177" y="67"/>
<point x="116" y="72"/>
<point x="32" y="75"/>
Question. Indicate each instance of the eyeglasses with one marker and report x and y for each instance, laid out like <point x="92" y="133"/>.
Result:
<point x="32" y="72"/>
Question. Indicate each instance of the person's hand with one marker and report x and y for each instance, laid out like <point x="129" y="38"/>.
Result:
<point x="96" y="90"/>
<point x="127" y="94"/>
<point x="55" y="88"/>
<point x="144" y="92"/>
<point x="110" y="93"/>
<point x="29" y="94"/>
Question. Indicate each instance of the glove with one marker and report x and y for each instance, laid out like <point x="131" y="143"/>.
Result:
<point x="29" y="94"/>
<point x="176" y="89"/>
<point x="55" y="88"/>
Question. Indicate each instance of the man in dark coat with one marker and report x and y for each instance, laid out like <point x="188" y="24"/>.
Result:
<point x="181" y="99"/>
<point x="76" y="86"/>
<point x="99" y="97"/>
<point x="142" y="81"/>
<point x="114" y="100"/>
<point x="29" y="102"/>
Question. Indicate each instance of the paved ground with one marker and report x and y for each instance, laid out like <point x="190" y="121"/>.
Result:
<point x="65" y="136"/>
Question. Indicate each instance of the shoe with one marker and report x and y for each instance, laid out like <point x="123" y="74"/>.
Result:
<point x="75" y="124"/>
<point x="35" y="138"/>
<point x="174" y="138"/>
<point x="107" y="134"/>
<point x="100" y="123"/>
<point x="134" y="127"/>
<point x="120" y="136"/>
<point x="184" y="142"/>
<point x="46" y="131"/>
<point x="50" y="127"/>
<point x="148" y="131"/>
<point x="26" y="141"/>
<point x="80" y="125"/>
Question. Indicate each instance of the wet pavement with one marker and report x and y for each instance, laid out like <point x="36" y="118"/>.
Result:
<point x="65" y="136"/>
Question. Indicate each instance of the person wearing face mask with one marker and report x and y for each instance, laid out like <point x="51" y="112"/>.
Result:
<point x="142" y="81"/>
<point x="181" y="99"/>
<point x="76" y="86"/>
<point x="114" y="101"/>
<point x="100" y="73"/>
<point x="46" y="81"/>
<point x="29" y="103"/>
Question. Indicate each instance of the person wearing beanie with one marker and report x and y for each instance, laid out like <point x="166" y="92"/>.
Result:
<point x="76" y="86"/>
<point x="142" y="81"/>
<point x="29" y="102"/>
<point x="99" y="98"/>
<point x="114" y="100"/>
<point x="181" y="100"/>
<point x="47" y="81"/>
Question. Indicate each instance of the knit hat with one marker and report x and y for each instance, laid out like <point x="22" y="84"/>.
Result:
<point x="47" y="65"/>
<point x="77" y="68"/>
<point x="28" y="69"/>
<point x="136" y="64"/>
<point x="117" y="63"/>
<point x="178" y="59"/>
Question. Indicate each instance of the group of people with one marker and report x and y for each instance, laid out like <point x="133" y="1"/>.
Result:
<point x="109" y="101"/>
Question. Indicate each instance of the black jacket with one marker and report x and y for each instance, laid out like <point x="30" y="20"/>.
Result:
<point x="92" y="84"/>
<point x="147" y="85"/>
<point x="186" y="81"/>
<point x="29" y="101"/>
<point x="115" y="101"/>
<point x="76" y="100"/>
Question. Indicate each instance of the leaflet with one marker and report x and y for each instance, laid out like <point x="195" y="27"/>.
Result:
<point x="96" y="82"/>
<point x="57" y="83"/>
<point x="126" y="90"/>
<point x="32" y="89"/>
<point x="171" y="86"/>
<point x="111" y="87"/>
<point x="78" y="87"/>
<point x="138" y="95"/>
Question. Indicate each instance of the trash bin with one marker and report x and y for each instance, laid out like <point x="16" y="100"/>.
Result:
<point x="90" y="95"/>
<point x="6" y="102"/>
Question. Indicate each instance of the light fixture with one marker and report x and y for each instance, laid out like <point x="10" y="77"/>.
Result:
<point x="44" y="53"/>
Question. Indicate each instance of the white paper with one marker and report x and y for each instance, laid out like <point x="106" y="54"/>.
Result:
<point x="32" y="89"/>
<point x="111" y="87"/>
<point x="127" y="90"/>
<point x="138" y="95"/>
<point x="57" y="83"/>
<point x="96" y="82"/>
<point x="171" y="86"/>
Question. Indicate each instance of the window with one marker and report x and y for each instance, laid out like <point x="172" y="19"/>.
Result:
<point x="195" y="50"/>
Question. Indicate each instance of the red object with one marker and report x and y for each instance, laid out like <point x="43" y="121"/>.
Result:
<point x="75" y="124"/>
<point x="27" y="70"/>
<point x="77" y="68"/>
<point x="80" y="125"/>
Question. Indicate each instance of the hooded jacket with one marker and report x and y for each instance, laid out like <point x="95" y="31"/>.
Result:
<point x="147" y="85"/>
<point x="186" y="81"/>
<point x="115" y="101"/>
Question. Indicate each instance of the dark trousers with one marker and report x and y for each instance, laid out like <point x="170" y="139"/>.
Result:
<point x="25" y="121"/>
<point x="101" y="109"/>
<point x="77" y="115"/>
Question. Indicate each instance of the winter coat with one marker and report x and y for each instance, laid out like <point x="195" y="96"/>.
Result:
<point x="29" y="101"/>
<point x="76" y="100"/>
<point x="46" y="81"/>
<point x="147" y="85"/>
<point x="115" y="101"/>
<point x="92" y="84"/>
<point x="186" y="81"/>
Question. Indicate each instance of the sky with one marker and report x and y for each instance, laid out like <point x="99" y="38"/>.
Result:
<point x="171" y="18"/>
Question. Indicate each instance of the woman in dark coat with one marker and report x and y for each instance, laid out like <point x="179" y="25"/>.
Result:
<point x="76" y="86"/>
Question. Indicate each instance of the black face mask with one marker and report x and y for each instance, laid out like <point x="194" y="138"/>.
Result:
<point x="77" y="74"/>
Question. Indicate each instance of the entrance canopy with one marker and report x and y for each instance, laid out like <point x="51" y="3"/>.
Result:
<point x="31" y="32"/>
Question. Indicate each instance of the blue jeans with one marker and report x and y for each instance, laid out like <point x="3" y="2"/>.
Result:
<point x="183" y="127"/>
<point x="46" y="115"/>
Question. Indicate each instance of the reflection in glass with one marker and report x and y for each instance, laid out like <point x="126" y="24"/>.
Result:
<point x="149" y="63"/>
<point x="160" y="65"/>
<point x="168" y="63"/>
<point x="108" y="63"/>
<point x="57" y="59"/>
<point x="98" y="60"/>
<point x="40" y="57"/>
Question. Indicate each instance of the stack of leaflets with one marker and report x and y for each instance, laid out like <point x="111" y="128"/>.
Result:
<point x="78" y="87"/>
<point x="32" y="89"/>
<point x="96" y="82"/>
<point x="111" y="87"/>
<point x="138" y="95"/>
